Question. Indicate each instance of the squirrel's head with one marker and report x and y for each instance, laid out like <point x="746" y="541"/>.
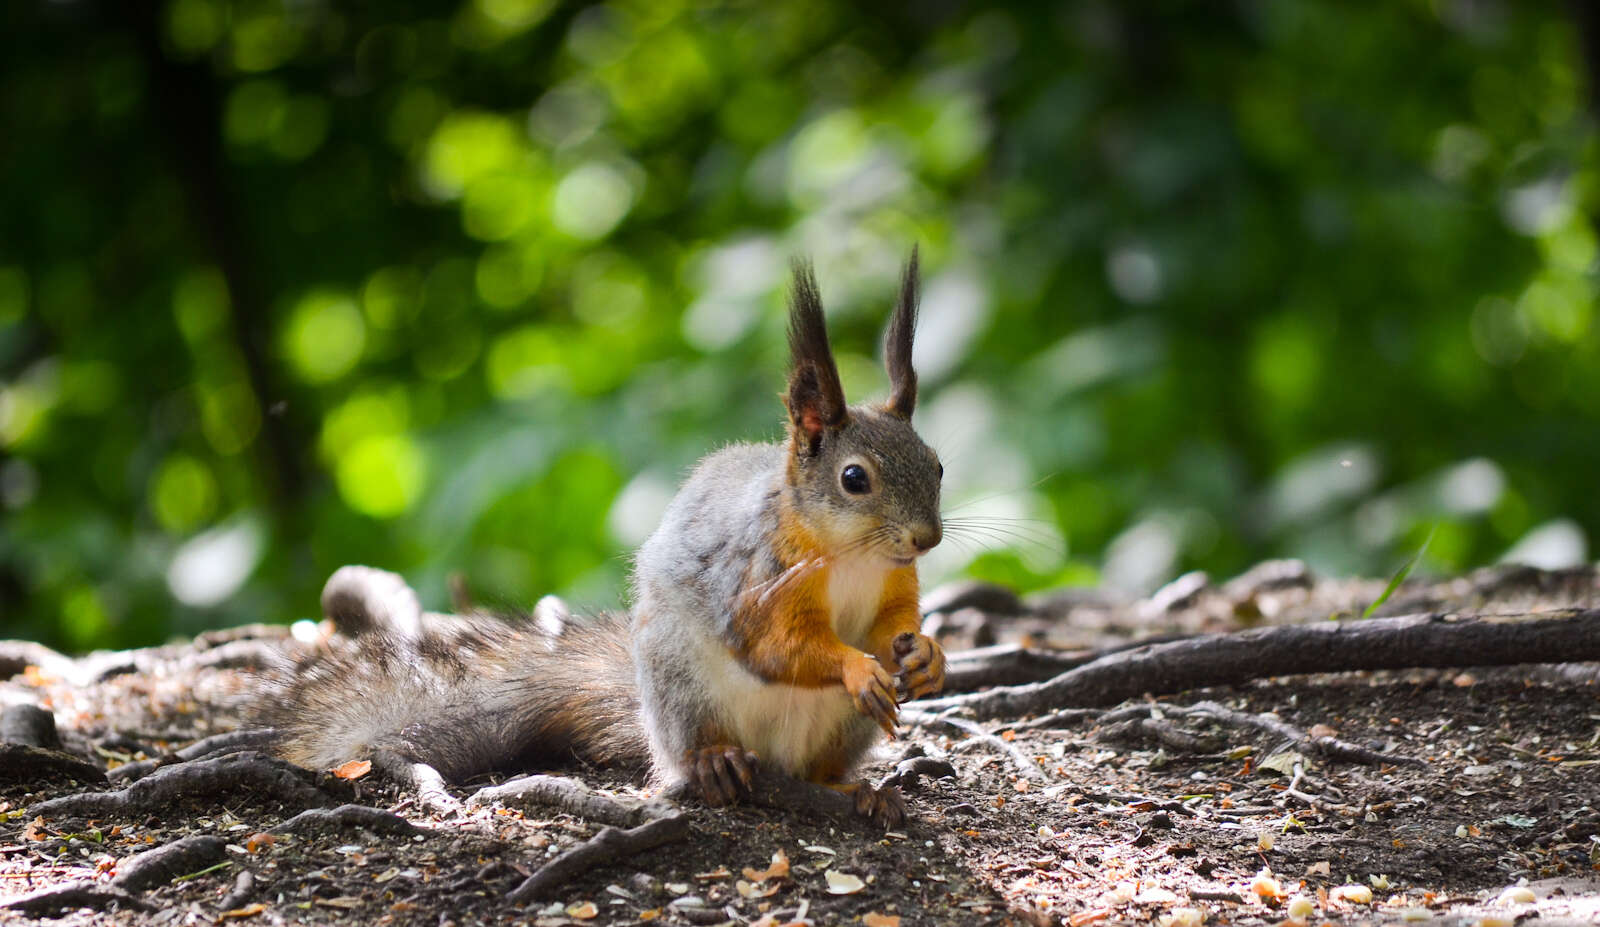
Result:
<point x="864" y="478"/>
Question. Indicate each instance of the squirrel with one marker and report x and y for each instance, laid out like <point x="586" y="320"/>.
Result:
<point x="775" y="618"/>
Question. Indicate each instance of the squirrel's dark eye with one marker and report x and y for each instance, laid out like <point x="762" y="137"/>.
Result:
<point x="854" y="480"/>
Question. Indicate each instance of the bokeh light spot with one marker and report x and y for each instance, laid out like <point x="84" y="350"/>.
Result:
<point x="498" y="206"/>
<point x="591" y="200"/>
<point x="325" y="336"/>
<point x="195" y="26"/>
<point x="183" y="494"/>
<point x="200" y="303"/>
<point x="381" y="475"/>
<point x="13" y="294"/>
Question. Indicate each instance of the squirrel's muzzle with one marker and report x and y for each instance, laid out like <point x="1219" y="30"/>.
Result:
<point x="926" y="537"/>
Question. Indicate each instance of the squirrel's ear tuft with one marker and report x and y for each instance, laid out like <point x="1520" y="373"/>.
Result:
<point x="897" y="344"/>
<point x="815" y="398"/>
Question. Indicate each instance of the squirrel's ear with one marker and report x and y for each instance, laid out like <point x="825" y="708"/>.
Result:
<point x="815" y="398"/>
<point x="897" y="344"/>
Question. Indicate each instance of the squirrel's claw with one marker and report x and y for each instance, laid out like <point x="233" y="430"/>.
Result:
<point x="871" y="688"/>
<point x="885" y="806"/>
<point x="721" y="773"/>
<point x="922" y="664"/>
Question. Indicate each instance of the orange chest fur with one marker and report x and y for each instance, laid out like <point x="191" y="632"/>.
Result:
<point x="849" y="590"/>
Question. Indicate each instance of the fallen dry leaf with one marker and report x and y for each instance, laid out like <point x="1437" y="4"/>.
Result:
<point x="354" y="769"/>
<point x="1267" y="888"/>
<point x="721" y="872"/>
<point x="650" y="915"/>
<point x="874" y="919"/>
<point x="1355" y="894"/>
<point x="755" y="889"/>
<point x="249" y="910"/>
<point x="843" y="883"/>
<point x="343" y="902"/>
<point x="778" y="870"/>
<point x="1088" y="917"/>
<point x="255" y="843"/>
<point x="583" y="912"/>
<point x="1156" y="896"/>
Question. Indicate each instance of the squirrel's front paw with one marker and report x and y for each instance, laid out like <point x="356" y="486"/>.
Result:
<point x="921" y="662"/>
<point x="872" y="689"/>
<point x="721" y="773"/>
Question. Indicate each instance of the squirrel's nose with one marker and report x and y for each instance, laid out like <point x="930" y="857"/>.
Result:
<point x="926" y="537"/>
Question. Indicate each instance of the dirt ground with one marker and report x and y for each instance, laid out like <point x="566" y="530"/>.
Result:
<point x="1488" y="813"/>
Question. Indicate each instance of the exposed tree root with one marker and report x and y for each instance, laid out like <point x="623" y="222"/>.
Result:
<point x="1007" y="665"/>
<point x="165" y="863"/>
<point x="230" y="742"/>
<point x="17" y="656"/>
<point x="420" y="778"/>
<point x="84" y="893"/>
<point x="607" y="847"/>
<point x="1434" y="640"/>
<point x="244" y="886"/>
<point x="22" y="763"/>
<point x="568" y="795"/>
<point x="373" y="819"/>
<point x="223" y="775"/>
<point x="29" y="724"/>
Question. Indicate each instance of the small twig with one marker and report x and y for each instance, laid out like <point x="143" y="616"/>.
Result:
<point x="1328" y="748"/>
<point x="1020" y="760"/>
<point x="1320" y="804"/>
<point x="608" y="846"/>
<point x="1160" y="731"/>
<point x="1065" y="717"/>
<point x="206" y="871"/>
<point x="568" y="795"/>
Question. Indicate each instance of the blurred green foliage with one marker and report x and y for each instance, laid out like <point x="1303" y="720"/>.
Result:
<point x="465" y="286"/>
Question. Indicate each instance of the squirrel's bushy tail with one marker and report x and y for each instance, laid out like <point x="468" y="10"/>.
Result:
<point x="463" y="694"/>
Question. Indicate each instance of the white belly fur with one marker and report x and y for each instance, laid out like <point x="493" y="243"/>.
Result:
<point x="787" y="726"/>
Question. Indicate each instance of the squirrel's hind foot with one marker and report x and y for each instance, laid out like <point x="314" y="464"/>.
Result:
<point x="721" y="774"/>
<point x="885" y="807"/>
